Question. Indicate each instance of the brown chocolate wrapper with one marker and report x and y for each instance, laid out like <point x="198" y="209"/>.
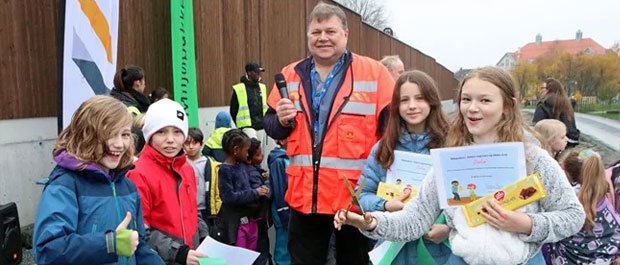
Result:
<point x="511" y="197"/>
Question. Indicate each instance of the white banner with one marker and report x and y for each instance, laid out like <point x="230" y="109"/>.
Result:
<point x="89" y="54"/>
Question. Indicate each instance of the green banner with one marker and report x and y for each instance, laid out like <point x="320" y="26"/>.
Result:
<point x="183" y="57"/>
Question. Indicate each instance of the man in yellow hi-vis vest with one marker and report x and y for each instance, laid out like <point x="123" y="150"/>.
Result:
<point x="249" y="101"/>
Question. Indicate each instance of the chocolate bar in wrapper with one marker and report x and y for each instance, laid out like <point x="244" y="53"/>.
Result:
<point x="511" y="197"/>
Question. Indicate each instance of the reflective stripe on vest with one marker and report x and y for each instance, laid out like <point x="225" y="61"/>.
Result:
<point x="243" y="114"/>
<point x="329" y="162"/>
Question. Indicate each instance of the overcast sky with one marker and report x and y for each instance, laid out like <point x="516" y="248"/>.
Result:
<point x="474" y="33"/>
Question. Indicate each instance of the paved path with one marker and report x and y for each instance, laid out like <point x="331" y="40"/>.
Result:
<point x="605" y="130"/>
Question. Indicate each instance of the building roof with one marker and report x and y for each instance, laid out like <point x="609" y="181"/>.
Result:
<point x="534" y="50"/>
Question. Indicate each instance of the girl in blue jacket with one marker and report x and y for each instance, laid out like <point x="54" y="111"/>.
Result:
<point x="89" y="212"/>
<point x="417" y="123"/>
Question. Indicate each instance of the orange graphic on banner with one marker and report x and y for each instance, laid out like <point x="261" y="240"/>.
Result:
<point x="99" y="23"/>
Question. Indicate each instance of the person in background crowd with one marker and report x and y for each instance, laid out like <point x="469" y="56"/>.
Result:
<point x="597" y="242"/>
<point x="206" y="170"/>
<point x="89" y="211"/>
<point x="394" y="65"/>
<point x="556" y="105"/>
<point x="158" y="94"/>
<point x="488" y="114"/>
<point x="280" y="212"/>
<point x="553" y="133"/>
<point x="213" y="146"/>
<point x="339" y="109"/>
<point x="167" y="186"/>
<point x="239" y="201"/>
<point x="248" y="103"/>
<point x="417" y="124"/>
<point x="129" y="85"/>
<point x="258" y="177"/>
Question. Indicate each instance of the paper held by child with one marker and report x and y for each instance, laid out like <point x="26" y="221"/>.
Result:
<point x="405" y="174"/>
<point x="481" y="169"/>
<point x="232" y="255"/>
<point x="512" y="197"/>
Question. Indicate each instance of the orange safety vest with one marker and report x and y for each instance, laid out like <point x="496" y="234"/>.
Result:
<point x="315" y="183"/>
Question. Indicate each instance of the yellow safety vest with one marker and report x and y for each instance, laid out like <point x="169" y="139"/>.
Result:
<point x="243" y="114"/>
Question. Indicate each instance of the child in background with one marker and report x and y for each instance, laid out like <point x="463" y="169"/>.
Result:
<point x="213" y="146"/>
<point x="259" y="178"/>
<point x="89" y="212"/>
<point x="158" y="94"/>
<point x="553" y="133"/>
<point x="239" y="200"/>
<point x="167" y="186"/>
<point x="280" y="212"/>
<point x="598" y="240"/>
<point x="205" y="168"/>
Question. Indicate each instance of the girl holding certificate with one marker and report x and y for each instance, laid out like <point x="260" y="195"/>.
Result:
<point x="488" y="114"/>
<point x="417" y="123"/>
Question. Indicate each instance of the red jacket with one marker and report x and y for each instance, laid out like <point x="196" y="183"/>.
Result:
<point x="167" y="208"/>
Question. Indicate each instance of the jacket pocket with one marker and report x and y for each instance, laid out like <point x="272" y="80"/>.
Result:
<point x="351" y="136"/>
<point x="295" y="191"/>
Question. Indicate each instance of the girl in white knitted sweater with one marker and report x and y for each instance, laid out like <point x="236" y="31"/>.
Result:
<point x="488" y="114"/>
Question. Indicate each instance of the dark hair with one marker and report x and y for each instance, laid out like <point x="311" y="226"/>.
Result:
<point x="254" y="146"/>
<point x="436" y="122"/>
<point x="454" y="182"/>
<point x="158" y="94"/>
<point x="195" y="134"/>
<point x="556" y="97"/>
<point x="124" y="78"/>
<point x="232" y="138"/>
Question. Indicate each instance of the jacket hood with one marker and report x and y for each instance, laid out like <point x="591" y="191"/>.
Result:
<point x="68" y="161"/>
<point x="276" y="153"/>
<point x="414" y="142"/>
<point x="223" y="120"/>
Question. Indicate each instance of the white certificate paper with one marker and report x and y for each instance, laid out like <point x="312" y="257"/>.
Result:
<point x="408" y="169"/>
<point x="232" y="255"/>
<point x="464" y="174"/>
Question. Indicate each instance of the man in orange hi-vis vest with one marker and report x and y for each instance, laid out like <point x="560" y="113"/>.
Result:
<point x="333" y="116"/>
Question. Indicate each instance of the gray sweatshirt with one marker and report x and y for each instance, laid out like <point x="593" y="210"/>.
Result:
<point x="201" y="187"/>
<point x="557" y="216"/>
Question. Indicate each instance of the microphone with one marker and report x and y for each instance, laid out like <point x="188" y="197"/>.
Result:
<point x="281" y="84"/>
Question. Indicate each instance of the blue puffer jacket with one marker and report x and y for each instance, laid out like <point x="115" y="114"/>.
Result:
<point x="76" y="210"/>
<point x="375" y="173"/>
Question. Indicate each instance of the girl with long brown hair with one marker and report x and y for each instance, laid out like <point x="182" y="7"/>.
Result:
<point x="598" y="240"/>
<point x="417" y="124"/>
<point x="555" y="104"/>
<point x="488" y="113"/>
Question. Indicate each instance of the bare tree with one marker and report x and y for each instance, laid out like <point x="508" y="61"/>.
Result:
<point x="373" y="12"/>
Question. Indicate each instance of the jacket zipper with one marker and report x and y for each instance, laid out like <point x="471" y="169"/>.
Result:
<point x="317" y="150"/>
<point x="118" y="210"/>
<point x="179" y="199"/>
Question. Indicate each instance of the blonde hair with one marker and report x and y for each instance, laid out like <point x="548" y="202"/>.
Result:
<point x="96" y="120"/>
<point x="547" y="130"/>
<point x="323" y="11"/>
<point x="510" y="127"/>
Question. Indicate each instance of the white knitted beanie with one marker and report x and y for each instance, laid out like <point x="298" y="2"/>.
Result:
<point x="163" y="113"/>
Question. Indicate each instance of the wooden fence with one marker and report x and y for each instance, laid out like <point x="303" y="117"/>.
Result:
<point x="227" y="35"/>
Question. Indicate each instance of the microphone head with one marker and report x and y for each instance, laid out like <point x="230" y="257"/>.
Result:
<point x="280" y="81"/>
